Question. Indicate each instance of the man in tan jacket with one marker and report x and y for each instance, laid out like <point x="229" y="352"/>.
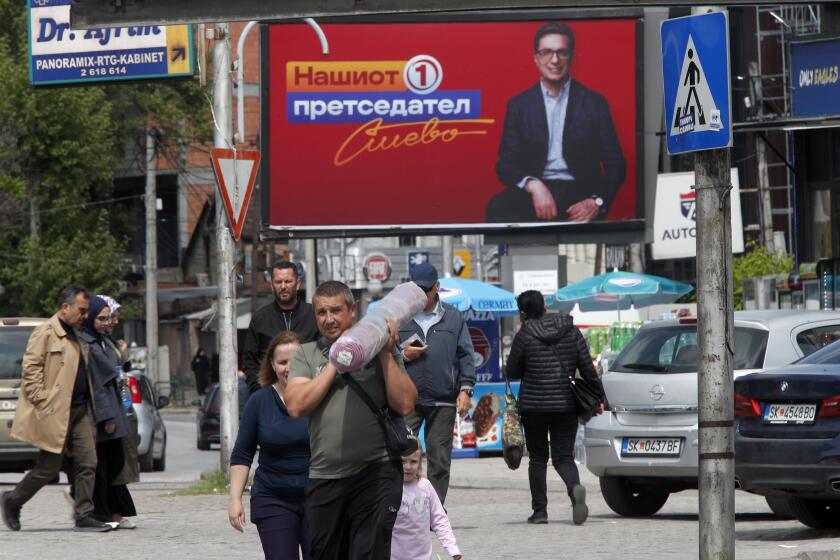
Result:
<point x="55" y="412"/>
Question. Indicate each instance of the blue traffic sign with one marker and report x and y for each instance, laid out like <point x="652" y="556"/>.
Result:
<point x="416" y="258"/>
<point x="695" y="71"/>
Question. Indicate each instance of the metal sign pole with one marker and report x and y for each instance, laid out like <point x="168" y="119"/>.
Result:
<point x="715" y="378"/>
<point x="225" y="273"/>
<point x="698" y="118"/>
<point x="152" y="370"/>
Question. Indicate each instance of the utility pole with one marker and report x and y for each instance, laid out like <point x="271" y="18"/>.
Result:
<point x="765" y="206"/>
<point x="226" y="313"/>
<point x="446" y="246"/>
<point x="151" y="258"/>
<point x="311" y="277"/>
<point x="715" y="378"/>
<point x="342" y="258"/>
<point x="479" y="274"/>
<point x="34" y="217"/>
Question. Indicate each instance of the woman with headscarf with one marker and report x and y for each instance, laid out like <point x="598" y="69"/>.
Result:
<point x="131" y="469"/>
<point x="120" y="346"/>
<point x="112" y="501"/>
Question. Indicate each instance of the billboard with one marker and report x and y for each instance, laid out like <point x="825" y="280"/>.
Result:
<point x="450" y="125"/>
<point x="675" y="216"/>
<point x="815" y="77"/>
<point x="61" y="55"/>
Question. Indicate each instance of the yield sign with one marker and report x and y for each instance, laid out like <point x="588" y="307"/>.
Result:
<point x="236" y="173"/>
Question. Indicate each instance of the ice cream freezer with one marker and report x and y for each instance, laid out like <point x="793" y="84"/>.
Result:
<point x="481" y="429"/>
<point x="482" y="426"/>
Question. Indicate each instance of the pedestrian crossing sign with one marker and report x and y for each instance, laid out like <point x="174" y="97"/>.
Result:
<point x="695" y="72"/>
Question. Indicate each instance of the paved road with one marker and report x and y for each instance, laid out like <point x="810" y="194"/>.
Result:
<point x="488" y="505"/>
<point x="184" y="462"/>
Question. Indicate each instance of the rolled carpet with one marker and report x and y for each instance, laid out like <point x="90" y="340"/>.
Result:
<point x="363" y="341"/>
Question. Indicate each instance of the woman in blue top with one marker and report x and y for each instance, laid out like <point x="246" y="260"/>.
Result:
<point x="283" y="469"/>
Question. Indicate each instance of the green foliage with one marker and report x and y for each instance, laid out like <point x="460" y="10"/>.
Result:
<point x="211" y="482"/>
<point x="756" y="261"/>
<point x="59" y="149"/>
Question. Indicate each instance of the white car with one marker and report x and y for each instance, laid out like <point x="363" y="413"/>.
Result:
<point x="645" y="445"/>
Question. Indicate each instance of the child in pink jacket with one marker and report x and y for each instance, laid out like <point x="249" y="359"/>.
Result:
<point x="420" y="512"/>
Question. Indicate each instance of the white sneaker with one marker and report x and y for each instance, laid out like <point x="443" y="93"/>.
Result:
<point x="126" y="523"/>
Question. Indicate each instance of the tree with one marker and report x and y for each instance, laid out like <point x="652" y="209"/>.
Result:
<point x="756" y="261"/>
<point x="59" y="148"/>
<point x="59" y="153"/>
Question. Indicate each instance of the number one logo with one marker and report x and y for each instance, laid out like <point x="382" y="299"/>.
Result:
<point x="422" y="74"/>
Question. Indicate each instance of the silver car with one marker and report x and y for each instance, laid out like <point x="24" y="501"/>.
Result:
<point x="646" y="445"/>
<point x="14" y="336"/>
<point x="146" y="403"/>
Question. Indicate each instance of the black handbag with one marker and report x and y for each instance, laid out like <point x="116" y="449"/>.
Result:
<point x="587" y="396"/>
<point x="399" y="438"/>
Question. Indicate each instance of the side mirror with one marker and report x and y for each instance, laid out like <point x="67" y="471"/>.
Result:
<point x="162" y="401"/>
<point x="196" y="402"/>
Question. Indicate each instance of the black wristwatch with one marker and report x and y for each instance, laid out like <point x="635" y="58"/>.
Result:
<point x="468" y="391"/>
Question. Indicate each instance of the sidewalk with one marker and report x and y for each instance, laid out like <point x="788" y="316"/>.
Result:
<point x="487" y="505"/>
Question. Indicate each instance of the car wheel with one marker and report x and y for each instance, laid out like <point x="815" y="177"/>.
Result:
<point x="202" y="444"/>
<point x="147" y="461"/>
<point x="632" y="500"/>
<point x="780" y="506"/>
<point x="819" y="514"/>
<point x="159" y="465"/>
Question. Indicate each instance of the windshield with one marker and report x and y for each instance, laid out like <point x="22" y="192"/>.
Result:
<point x="827" y="355"/>
<point x="675" y="349"/>
<point x="12" y="347"/>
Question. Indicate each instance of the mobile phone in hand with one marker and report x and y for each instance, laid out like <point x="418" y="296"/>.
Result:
<point x="417" y="342"/>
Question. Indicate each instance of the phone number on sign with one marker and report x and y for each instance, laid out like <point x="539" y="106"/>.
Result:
<point x="112" y="71"/>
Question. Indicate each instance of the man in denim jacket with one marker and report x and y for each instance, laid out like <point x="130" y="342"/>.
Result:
<point x="438" y="355"/>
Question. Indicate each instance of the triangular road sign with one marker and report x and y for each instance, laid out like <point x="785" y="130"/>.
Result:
<point x="694" y="106"/>
<point x="236" y="173"/>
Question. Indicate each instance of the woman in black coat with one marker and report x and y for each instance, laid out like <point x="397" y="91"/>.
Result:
<point x="546" y="351"/>
<point x="112" y="500"/>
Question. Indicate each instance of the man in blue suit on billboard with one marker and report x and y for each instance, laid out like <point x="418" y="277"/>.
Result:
<point x="559" y="157"/>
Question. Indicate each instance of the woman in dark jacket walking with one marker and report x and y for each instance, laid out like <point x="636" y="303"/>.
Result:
<point x="112" y="500"/>
<point x="283" y="470"/>
<point x="546" y="351"/>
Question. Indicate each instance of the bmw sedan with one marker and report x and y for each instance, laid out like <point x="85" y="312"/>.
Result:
<point x="787" y="436"/>
<point x="645" y="446"/>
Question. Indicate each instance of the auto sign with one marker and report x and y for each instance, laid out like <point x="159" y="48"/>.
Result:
<point x="377" y="267"/>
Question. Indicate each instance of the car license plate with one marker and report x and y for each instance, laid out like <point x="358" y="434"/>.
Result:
<point x="659" y="447"/>
<point x="790" y="413"/>
<point x="8" y="404"/>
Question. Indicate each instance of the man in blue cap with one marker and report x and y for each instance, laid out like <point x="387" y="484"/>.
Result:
<point x="438" y="355"/>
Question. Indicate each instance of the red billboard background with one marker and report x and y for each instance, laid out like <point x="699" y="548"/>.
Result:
<point x="439" y="182"/>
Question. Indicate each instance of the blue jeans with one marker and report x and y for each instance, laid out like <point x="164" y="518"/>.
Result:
<point x="282" y="527"/>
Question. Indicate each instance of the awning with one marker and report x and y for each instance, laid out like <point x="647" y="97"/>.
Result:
<point x="207" y="317"/>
